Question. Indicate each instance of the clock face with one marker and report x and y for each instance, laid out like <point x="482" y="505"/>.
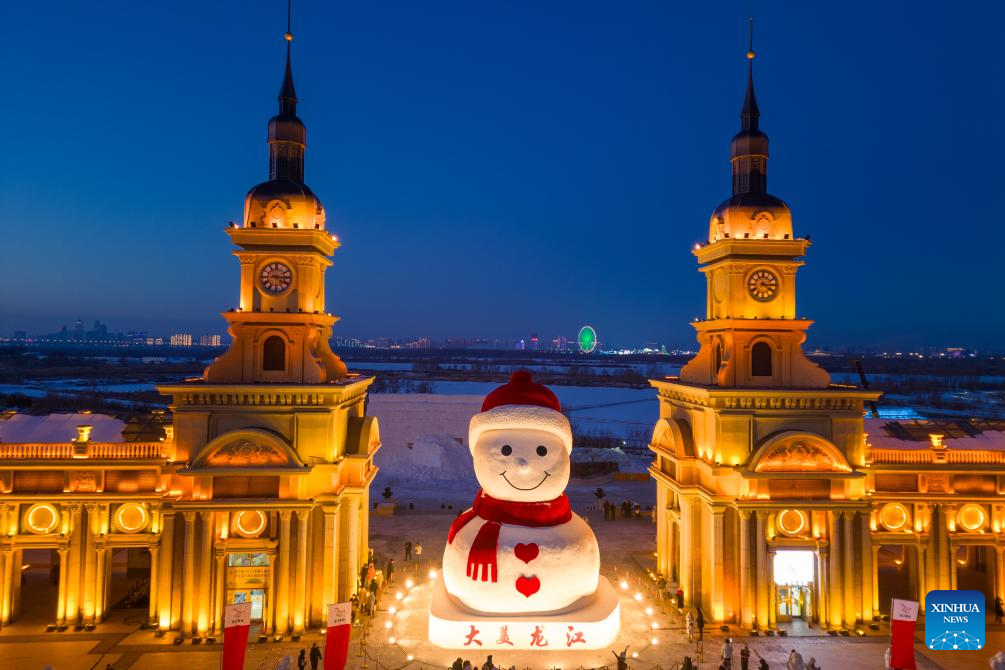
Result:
<point x="762" y="286"/>
<point x="275" y="278"/>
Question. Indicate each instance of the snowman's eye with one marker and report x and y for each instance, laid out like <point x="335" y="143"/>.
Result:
<point x="542" y="450"/>
<point x="506" y="450"/>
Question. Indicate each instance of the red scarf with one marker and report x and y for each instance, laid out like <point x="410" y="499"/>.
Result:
<point x="485" y="549"/>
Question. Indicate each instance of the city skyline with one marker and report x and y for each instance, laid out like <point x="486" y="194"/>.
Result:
<point x="590" y="198"/>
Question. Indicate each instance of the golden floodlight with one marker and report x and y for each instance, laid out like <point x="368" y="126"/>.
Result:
<point x="250" y="523"/>
<point x="971" y="517"/>
<point x="894" y="516"/>
<point x="131" y="518"/>
<point x="791" y="522"/>
<point x="42" y="518"/>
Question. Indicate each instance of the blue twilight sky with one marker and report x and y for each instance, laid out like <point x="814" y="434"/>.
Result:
<point x="498" y="168"/>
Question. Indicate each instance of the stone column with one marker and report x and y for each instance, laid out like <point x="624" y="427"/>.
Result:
<point x="850" y="601"/>
<point x="673" y="569"/>
<point x="823" y="586"/>
<point x="206" y="599"/>
<point x="761" y="585"/>
<point x="6" y="574"/>
<point x="662" y="560"/>
<point x="61" y="603"/>
<point x="330" y="556"/>
<point x="154" y="583"/>
<point x="220" y="587"/>
<point x="90" y="563"/>
<point x="300" y="595"/>
<point x="166" y="576"/>
<point x="717" y="581"/>
<point x="772" y="590"/>
<point x="868" y="568"/>
<point x="73" y="563"/>
<point x="746" y="601"/>
<point x="922" y="579"/>
<point x="101" y="580"/>
<point x="283" y="578"/>
<point x="686" y="575"/>
<point x="353" y="560"/>
<point x="836" y="577"/>
<point x="188" y="577"/>
<point x="875" y="579"/>
<point x="953" y="572"/>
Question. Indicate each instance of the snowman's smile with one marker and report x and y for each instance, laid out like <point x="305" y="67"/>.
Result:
<point x="546" y="475"/>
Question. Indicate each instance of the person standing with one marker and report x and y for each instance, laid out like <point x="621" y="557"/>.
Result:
<point x="700" y="621"/>
<point x="999" y="609"/>
<point x="795" y="661"/>
<point x="315" y="656"/>
<point x="680" y="597"/>
<point x="371" y="574"/>
<point x="408" y="550"/>
<point x="418" y="551"/>
<point x="727" y="654"/>
<point x="302" y="660"/>
<point x="389" y="570"/>
<point x="745" y="658"/>
<point x="690" y="627"/>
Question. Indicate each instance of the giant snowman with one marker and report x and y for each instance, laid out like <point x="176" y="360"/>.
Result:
<point x="520" y="569"/>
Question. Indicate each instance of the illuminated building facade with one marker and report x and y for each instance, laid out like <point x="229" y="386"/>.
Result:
<point x="258" y="490"/>
<point x="774" y="498"/>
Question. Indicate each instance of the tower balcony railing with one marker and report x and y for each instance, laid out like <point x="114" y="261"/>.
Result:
<point x="69" y="450"/>
<point x="950" y="456"/>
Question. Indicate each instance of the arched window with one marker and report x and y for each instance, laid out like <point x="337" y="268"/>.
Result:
<point x="274" y="354"/>
<point x="760" y="360"/>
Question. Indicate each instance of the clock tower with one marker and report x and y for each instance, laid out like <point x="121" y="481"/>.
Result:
<point x="270" y="477"/>
<point x="751" y="335"/>
<point x="280" y="327"/>
<point x="760" y="462"/>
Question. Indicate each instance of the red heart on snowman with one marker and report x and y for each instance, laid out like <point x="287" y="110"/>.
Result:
<point x="526" y="552"/>
<point x="528" y="586"/>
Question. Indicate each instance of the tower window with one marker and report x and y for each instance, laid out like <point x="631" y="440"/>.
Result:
<point x="760" y="360"/>
<point x="274" y="354"/>
<point x="716" y="363"/>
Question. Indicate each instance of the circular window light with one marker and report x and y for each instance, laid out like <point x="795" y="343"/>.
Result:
<point x="131" y="518"/>
<point x="42" y="519"/>
<point x="250" y="524"/>
<point x="971" y="517"/>
<point x="894" y="516"/>
<point x="791" y="522"/>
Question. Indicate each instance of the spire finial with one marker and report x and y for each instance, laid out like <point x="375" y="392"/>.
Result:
<point x="750" y="112"/>
<point x="287" y="92"/>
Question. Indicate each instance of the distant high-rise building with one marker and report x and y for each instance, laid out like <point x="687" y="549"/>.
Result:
<point x="181" y="340"/>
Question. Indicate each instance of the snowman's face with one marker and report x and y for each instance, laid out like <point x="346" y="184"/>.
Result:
<point x="521" y="465"/>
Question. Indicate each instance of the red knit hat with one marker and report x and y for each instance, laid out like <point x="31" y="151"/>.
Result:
<point x="521" y="404"/>
<point x="521" y="390"/>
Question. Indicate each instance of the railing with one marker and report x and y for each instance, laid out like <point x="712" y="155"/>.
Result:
<point x="921" y="456"/>
<point x="69" y="450"/>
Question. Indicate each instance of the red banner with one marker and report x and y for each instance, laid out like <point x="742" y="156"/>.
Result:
<point x="236" y="623"/>
<point x="903" y="617"/>
<point x="337" y="636"/>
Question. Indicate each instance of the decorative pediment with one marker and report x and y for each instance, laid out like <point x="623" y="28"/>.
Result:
<point x="248" y="448"/>
<point x="798" y="452"/>
<point x="673" y="436"/>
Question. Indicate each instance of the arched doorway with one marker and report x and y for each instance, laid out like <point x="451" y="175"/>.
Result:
<point x="794" y="572"/>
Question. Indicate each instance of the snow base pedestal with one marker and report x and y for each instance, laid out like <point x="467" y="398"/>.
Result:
<point x="590" y="623"/>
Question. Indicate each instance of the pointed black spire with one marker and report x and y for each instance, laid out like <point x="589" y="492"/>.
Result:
<point x="287" y="134"/>
<point x="749" y="149"/>
<point x="750" y="113"/>
<point x="288" y="92"/>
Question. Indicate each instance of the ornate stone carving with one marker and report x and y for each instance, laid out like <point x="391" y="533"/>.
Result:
<point x="246" y="452"/>
<point x="795" y="458"/>
<point x="83" y="481"/>
<point x="247" y="259"/>
<point x="306" y="260"/>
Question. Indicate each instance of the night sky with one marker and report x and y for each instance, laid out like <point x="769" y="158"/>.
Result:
<point x="500" y="168"/>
